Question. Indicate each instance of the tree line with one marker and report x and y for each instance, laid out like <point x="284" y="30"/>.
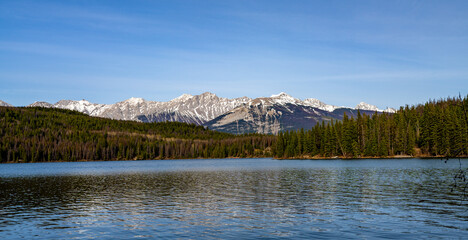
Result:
<point x="46" y="134"/>
<point x="437" y="128"/>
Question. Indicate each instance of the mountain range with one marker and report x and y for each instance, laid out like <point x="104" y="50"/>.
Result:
<point x="239" y="115"/>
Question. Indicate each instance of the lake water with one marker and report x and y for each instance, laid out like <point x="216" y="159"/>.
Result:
<point x="232" y="199"/>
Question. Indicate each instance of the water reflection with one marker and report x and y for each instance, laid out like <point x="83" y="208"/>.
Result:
<point x="292" y="202"/>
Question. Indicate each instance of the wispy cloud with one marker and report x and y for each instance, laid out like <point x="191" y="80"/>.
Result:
<point x="95" y="16"/>
<point x="234" y="48"/>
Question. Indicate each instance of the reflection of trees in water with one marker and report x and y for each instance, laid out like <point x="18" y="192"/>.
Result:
<point x="216" y="198"/>
<point x="460" y="181"/>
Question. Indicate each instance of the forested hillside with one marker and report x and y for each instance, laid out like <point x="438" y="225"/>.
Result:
<point x="437" y="128"/>
<point x="42" y="134"/>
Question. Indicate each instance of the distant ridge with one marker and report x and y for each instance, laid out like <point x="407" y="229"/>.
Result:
<point x="271" y="115"/>
<point x="264" y="114"/>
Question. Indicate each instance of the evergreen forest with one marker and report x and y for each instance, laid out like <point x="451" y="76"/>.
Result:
<point x="46" y="134"/>
<point x="435" y="129"/>
<point x="439" y="128"/>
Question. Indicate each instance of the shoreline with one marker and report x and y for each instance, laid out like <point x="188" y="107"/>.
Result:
<point x="116" y="160"/>
<point x="397" y="157"/>
<point x="370" y="157"/>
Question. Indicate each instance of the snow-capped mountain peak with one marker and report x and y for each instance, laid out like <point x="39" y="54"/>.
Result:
<point x="182" y="98"/>
<point x="208" y="95"/>
<point x="390" y="110"/>
<point x="203" y="108"/>
<point x="41" y="104"/>
<point x="319" y="104"/>
<point x="135" y="101"/>
<point x="4" y="104"/>
<point x="366" y="106"/>
<point x="83" y="106"/>
<point x="280" y="95"/>
<point x="84" y="102"/>
<point x="283" y="98"/>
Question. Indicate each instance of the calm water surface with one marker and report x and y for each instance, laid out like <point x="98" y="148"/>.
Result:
<point x="232" y="198"/>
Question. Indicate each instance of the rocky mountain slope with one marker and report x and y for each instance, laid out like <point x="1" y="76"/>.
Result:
<point x="239" y="115"/>
<point x="277" y="113"/>
<point x="196" y="109"/>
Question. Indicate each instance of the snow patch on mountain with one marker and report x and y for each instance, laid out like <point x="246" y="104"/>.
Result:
<point x="186" y="108"/>
<point x="83" y="106"/>
<point x="41" y="104"/>
<point x="284" y="98"/>
<point x="182" y="98"/>
<point x="312" y="102"/>
<point x="202" y="108"/>
<point x="366" y="106"/>
<point x="135" y="101"/>
<point x="5" y="104"/>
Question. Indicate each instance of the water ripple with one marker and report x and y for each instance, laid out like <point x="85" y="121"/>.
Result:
<point x="267" y="199"/>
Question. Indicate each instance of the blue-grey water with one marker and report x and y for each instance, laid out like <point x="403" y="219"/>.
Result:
<point x="233" y="199"/>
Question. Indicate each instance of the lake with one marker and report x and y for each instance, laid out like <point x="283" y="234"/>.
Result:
<point x="232" y="199"/>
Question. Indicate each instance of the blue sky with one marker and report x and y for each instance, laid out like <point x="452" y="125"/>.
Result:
<point x="387" y="53"/>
